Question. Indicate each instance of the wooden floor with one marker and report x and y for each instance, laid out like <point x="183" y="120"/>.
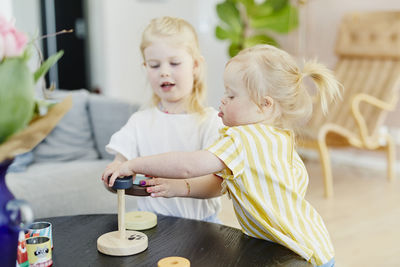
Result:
<point x="363" y="217"/>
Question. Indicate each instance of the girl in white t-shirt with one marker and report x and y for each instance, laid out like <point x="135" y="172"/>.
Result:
<point x="265" y="99"/>
<point x="178" y="119"/>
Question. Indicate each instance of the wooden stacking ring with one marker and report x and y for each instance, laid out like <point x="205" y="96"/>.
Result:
<point x="140" y="220"/>
<point x="123" y="183"/>
<point x="173" y="262"/>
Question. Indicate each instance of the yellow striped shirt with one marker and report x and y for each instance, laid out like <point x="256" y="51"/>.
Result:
<point x="267" y="182"/>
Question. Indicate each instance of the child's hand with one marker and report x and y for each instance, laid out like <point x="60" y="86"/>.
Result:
<point x="163" y="187"/>
<point x="110" y="169"/>
<point x="115" y="171"/>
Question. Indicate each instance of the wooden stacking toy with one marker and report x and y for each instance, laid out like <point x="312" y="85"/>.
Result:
<point x="139" y="220"/>
<point x="122" y="242"/>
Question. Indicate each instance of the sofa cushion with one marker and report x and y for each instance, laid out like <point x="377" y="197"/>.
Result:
<point x="107" y="116"/>
<point x="21" y="162"/>
<point x="72" y="138"/>
<point x="65" y="188"/>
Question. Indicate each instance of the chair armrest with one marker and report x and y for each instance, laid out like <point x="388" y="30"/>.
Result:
<point x="355" y="107"/>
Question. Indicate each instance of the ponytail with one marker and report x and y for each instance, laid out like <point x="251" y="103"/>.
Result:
<point x="325" y="81"/>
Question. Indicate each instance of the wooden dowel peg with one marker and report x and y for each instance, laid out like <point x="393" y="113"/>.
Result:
<point x="121" y="212"/>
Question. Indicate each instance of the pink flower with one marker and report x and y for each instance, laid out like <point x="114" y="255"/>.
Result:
<point x="12" y="42"/>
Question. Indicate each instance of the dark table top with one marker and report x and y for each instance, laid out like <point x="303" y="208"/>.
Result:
<point x="203" y="243"/>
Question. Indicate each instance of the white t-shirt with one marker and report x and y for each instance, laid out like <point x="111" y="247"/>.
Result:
<point x="152" y="131"/>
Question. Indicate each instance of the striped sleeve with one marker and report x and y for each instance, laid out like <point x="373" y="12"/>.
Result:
<point x="230" y="151"/>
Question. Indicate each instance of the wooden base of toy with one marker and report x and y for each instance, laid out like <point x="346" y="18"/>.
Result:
<point x="113" y="244"/>
<point x="140" y="220"/>
<point x="173" y="262"/>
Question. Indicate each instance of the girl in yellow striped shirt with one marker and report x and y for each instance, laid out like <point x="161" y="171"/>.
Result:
<point x="265" y="100"/>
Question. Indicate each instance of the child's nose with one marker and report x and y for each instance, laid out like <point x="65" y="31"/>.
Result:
<point x="223" y="102"/>
<point x="164" y="71"/>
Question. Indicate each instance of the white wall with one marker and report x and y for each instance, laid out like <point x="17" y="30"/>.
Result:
<point x="27" y="15"/>
<point x="27" y="19"/>
<point x="322" y="20"/>
<point x="6" y="8"/>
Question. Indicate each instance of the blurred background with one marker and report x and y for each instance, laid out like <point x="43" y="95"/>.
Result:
<point x="103" y="56"/>
<point x="104" y="52"/>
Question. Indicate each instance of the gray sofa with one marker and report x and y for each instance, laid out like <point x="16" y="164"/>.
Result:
<point x="64" y="175"/>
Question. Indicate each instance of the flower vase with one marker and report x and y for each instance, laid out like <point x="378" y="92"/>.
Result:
<point x="10" y="217"/>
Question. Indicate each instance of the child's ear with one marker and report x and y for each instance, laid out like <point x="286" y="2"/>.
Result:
<point x="267" y="102"/>
<point x="197" y="62"/>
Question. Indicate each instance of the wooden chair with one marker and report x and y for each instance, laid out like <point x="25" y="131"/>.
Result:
<point x="368" y="50"/>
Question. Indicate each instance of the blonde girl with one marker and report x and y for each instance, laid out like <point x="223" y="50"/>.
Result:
<point x="178" y="118"/>
<point x="265" y="99"/>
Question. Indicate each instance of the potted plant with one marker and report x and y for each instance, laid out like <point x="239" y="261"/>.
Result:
<point x="17" y="110"/>
<point x="245" y="23"/>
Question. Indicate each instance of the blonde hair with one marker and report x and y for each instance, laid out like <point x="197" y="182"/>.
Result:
<point x="182" y="33"/>
<point x="270" y="71"/>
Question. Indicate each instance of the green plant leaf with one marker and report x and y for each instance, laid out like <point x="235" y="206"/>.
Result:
<point x="277" y="4"/>
<point x="221" y="33"/>
<point x="247" y="3"/>
<point x="262" y="16"/>
<point x="282" y="21"/>
<point x="259" y="39"/>
<point x="224" y="34"/>
<point x="27" y="52"/>
<point x="261" y="10"/>
<point x="229" y="14"/>
<point x="16" y="96"/>
<point x="44" y="68"/>
<point x="234" y="48"/>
